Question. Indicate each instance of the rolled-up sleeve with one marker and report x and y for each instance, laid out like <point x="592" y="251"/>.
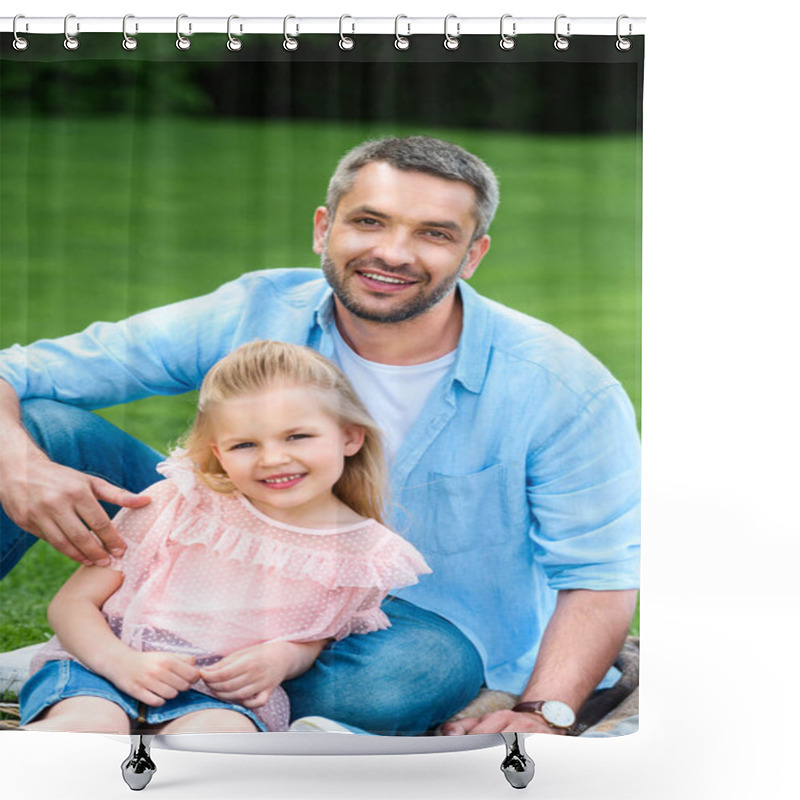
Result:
<point x="584" y="496"/>
<point x="165" y="350"/>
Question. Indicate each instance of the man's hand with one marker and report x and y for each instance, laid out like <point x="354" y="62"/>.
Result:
<point x="60" y="505"/>
<point x="153" y="677"/>
<point x="250" y="675"/>
<point x="500" y="722"/>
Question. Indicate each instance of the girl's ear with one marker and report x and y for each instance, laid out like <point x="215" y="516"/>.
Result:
<point x="353" y="439"/>
<point x="215" y="451"/>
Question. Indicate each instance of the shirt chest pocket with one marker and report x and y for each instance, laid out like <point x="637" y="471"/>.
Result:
<point x="466" y="512"/>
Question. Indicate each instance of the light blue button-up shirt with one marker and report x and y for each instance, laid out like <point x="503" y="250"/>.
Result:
<point x="519" y="478"/>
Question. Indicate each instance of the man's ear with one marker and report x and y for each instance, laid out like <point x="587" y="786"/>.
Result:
<point x="477" y="250"/>
<point x="353" y="439"/>
<point x="322" y="220"/>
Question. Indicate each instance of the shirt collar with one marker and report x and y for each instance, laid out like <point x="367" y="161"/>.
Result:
<point x="472" y="355"/>
<point x="323" y="313"/>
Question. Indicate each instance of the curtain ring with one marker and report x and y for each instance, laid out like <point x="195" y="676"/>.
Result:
<point x="561" y="42"/>
<point x="451" y="42"/>
<point x="20" y="43"/>
<point x="507" y="42"/>
<point x="401" y="42"/>
<point x="346" y="42"/>
<point x="70" y="42"/>
<point x="128" y="42"/>
<point x="182" y="43"/>
<point x="233" y="44"/>
<point x="288" y="42"/>
<point x="623" y="44"/>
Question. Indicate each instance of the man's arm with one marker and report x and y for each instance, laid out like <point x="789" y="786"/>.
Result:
<point x="580" y="643"/>
<point x="53" y="502"/>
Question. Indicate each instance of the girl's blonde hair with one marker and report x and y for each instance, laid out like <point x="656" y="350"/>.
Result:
<point x="264" y="364"/>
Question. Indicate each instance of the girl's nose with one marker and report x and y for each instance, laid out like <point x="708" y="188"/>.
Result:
<point x="270" y="455"/>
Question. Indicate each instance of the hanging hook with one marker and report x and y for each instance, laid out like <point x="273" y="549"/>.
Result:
<point x="182" y="43"/>
<point x="346" y="42"/>
<point x="70" y="42"/>
<point x="233" y="44"/>
<point x="128" y="42"/>
<point x="401" y="42"/>
<point x="19" y="43"/>
<point x="288" y="42"/>
<point x="561" y="42"/>
<point x="623" y="44"/>
<point x="451" y="42"/>
<point x="507" y="42"/>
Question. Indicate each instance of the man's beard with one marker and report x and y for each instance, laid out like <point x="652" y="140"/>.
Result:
<point x="414" y="307"/>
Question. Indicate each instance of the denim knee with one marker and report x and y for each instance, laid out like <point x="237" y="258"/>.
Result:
<point x="404" y="680"/>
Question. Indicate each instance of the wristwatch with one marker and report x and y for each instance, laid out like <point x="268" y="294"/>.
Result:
<point x="556" y="714"/>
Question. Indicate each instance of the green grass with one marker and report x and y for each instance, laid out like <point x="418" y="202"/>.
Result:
<point x="101" y="218"/>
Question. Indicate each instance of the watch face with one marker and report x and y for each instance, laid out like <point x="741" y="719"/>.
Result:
<point x="558" y="713"/>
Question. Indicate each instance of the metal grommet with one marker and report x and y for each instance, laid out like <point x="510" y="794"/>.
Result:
<point x="623" y="44"/>
<point x="182" y="43"/>
<point x="401" y="42"/>
<point x="128" y="42"/>
<point x="288" y="42"/>
<point x="346" y="42"/>
<point x="233" y="43"/>
<point x="561" y="42"/>
<point x="507" y="42"/>
<point x="19" y="43"/>
<point x="70" y="42"/>
<point x="451" y="42"/>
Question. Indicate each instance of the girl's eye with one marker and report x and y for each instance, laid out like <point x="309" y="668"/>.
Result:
<point x="242" y="445"/>
<point x="295" y="436"/>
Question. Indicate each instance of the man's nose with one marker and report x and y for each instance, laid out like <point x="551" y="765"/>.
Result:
<point x="394" y="247"/>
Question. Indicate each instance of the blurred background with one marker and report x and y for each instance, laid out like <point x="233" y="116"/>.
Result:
<point x="132" y="180"/>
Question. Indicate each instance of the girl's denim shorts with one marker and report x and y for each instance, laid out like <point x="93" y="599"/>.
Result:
<point x="58" y="680"/>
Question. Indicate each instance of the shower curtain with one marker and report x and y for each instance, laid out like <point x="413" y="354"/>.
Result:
<point x="133" y="179"/>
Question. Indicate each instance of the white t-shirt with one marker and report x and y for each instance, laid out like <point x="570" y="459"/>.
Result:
<point x="394" y="395"/>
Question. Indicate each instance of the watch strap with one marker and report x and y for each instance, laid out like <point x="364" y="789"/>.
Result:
<point x="530" y="706"/>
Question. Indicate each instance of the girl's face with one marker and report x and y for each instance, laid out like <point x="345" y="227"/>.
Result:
<point x="284" y="451"/>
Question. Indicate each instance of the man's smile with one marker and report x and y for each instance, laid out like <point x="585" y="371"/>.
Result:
<point x="384" y="278"/>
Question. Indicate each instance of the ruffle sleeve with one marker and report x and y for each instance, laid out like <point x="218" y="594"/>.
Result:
<point x="178" y="468"/>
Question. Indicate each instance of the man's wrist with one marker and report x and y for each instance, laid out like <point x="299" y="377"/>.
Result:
<point x="555" y="713"/>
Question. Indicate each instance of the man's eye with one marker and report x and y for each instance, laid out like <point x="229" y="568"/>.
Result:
<point x="367" y="222"/>
<point x="437" y="235"/>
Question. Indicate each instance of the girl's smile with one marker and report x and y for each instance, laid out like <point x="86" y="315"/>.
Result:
<point x="284" y="451"/>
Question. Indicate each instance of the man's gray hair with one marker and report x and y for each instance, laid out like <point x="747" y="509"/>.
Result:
<point x="421" y="154"/>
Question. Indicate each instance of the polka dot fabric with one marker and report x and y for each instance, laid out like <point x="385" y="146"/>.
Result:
<point x="208" y="574"/>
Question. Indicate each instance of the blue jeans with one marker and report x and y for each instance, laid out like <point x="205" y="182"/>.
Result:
<point x="60" y="680"/>
<point x="403" y="680"/>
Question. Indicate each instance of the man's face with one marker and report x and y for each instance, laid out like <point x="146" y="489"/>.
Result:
<point x="398" y="242"/>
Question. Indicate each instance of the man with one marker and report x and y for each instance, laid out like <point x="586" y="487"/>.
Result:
<point x="513" y="453"/>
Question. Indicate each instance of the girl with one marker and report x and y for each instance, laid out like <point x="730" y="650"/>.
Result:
<point x="264" y="542"/>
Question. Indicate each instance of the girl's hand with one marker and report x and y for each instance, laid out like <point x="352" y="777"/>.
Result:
<point x="153" y="677"/>
<point x="250" y="675"/>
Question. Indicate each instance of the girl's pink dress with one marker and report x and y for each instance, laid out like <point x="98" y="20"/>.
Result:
<point x="208" y="574"/>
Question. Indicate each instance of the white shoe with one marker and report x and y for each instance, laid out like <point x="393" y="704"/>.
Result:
<point x="320" y="724"/>
<point x="15" y="667"/>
